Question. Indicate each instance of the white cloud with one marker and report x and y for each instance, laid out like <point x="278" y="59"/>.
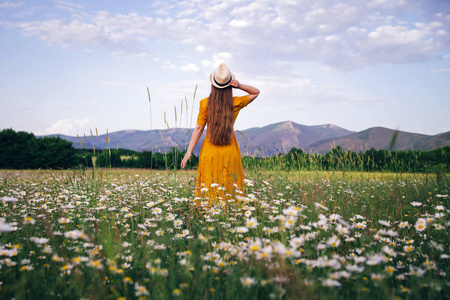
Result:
<point x="8" y="4"/>
<point x="68" y="127"/>
<point x="217" y="59"/>
<point x="440" y="70"/>
<point x="190" y="68"/>
<point x="66" y="5"/>
<point x="342" y="35"/>
<point x="200" y="48"/>
<point x="239" y="23"/>
<point x="394" y="35"/>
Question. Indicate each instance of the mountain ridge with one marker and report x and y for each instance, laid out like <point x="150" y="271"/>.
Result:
<point x="269" y="140"/>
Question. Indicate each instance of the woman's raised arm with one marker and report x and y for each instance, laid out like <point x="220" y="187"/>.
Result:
<point x="252" y="91"/>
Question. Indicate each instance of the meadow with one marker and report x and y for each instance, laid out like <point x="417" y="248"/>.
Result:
<point x="141" y="234"/>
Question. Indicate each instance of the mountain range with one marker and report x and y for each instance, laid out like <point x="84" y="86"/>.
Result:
<point x="269" y="140"/>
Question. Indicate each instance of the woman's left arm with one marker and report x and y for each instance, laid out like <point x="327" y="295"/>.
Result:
<point x="198" y="131"/>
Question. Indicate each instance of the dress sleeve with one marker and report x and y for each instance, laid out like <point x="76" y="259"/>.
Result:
<point x="202" y="113"/>
<point x="241" y="102"/>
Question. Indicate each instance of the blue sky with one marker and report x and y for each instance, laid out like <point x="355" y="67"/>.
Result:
<point x="71" y="66"/>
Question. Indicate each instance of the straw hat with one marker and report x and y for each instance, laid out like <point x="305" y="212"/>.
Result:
<point x="221" y="77"/>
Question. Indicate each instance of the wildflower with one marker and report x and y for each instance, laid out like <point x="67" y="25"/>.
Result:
<point x="291" y="211"/>
<point x="297" y="242"/>
<point x="8" y="262"/>
<point x="28" y="220"/>
<point x="248" y="213"/>
<point x="360" y="225"/>
<point x="140" y="290"/>
<point x="404" y="289"/>
<point x="408" y="248"/>
<point x="5" y="227"/>
<point x="156" y="211"/>
<point x="384" y="223"/>
<point x="334" y="241"/>
<point x="96" y="264"/>
<point x="177" y="223"/>
<point x="160" y="247"/>
<point x="334" y="217"/>
<point x="375" y="260"/>
<point x="438" y="226"/>
<point x="377" y="277"/>
<point x="66" y="268"/>
<point x="26" y="268"/>
<point x="127" y="280"/>
<point x="75" y="234"/>
<point x="421" y="224"/>
<point x="202" y="238"/>
<point x="389" y="251"/>
<point x="417" y="271"/>
<point x="416" y="204"/>
<point x="438" y="216"/>
<point x="247" y="281"/>
<point x="290" y="222"/>
<point x="319" y="205"/>
<point x="251" y="223"/>
<point x="39" y="241"/>
<point x="63" y="220"/>
<point x="389" y="269"/>
<point x="331" y="283"/>
<point x="403" y="224"/>
<point x="8" y="199"/>
<point x="440" y="207"/>
<point x="176" y="292"/>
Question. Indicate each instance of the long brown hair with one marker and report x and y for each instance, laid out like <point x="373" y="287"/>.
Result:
<point x="220" y="116"/>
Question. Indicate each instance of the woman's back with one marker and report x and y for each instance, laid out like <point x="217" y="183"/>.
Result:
<point x="220" y="167"/>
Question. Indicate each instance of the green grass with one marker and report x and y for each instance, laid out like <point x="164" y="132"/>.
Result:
<point x="299" y="235"/>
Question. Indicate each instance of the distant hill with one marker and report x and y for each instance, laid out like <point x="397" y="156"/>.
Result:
<point x="137" y="140"/>
<point x="281" y="137"/>
<point x="380" y="138"/>
<point x="269" y="140"/>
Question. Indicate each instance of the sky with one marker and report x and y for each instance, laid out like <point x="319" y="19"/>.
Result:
<point x="69" y="67"/>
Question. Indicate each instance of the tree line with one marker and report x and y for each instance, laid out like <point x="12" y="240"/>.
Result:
<point x="22" y="150"/>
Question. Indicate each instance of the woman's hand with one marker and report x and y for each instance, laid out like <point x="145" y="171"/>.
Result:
<point x="234" y="83"/>
<point x="198" y="130"/>
<point x="185" y="159"/>
<point x="252" y="91"/>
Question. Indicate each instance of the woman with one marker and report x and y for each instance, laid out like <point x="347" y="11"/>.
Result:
<point x="220" y="165"/>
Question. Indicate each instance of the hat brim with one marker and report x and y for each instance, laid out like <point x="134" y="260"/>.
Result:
<point x="220" y="86"/>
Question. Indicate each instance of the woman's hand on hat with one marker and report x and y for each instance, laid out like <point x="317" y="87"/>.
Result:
<point x="234" y="83"/>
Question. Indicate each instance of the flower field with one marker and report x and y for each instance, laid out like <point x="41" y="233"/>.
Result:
<point x="134" y="234"/>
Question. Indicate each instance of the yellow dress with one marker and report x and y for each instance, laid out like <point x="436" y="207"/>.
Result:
<point x="219" y="167"/>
